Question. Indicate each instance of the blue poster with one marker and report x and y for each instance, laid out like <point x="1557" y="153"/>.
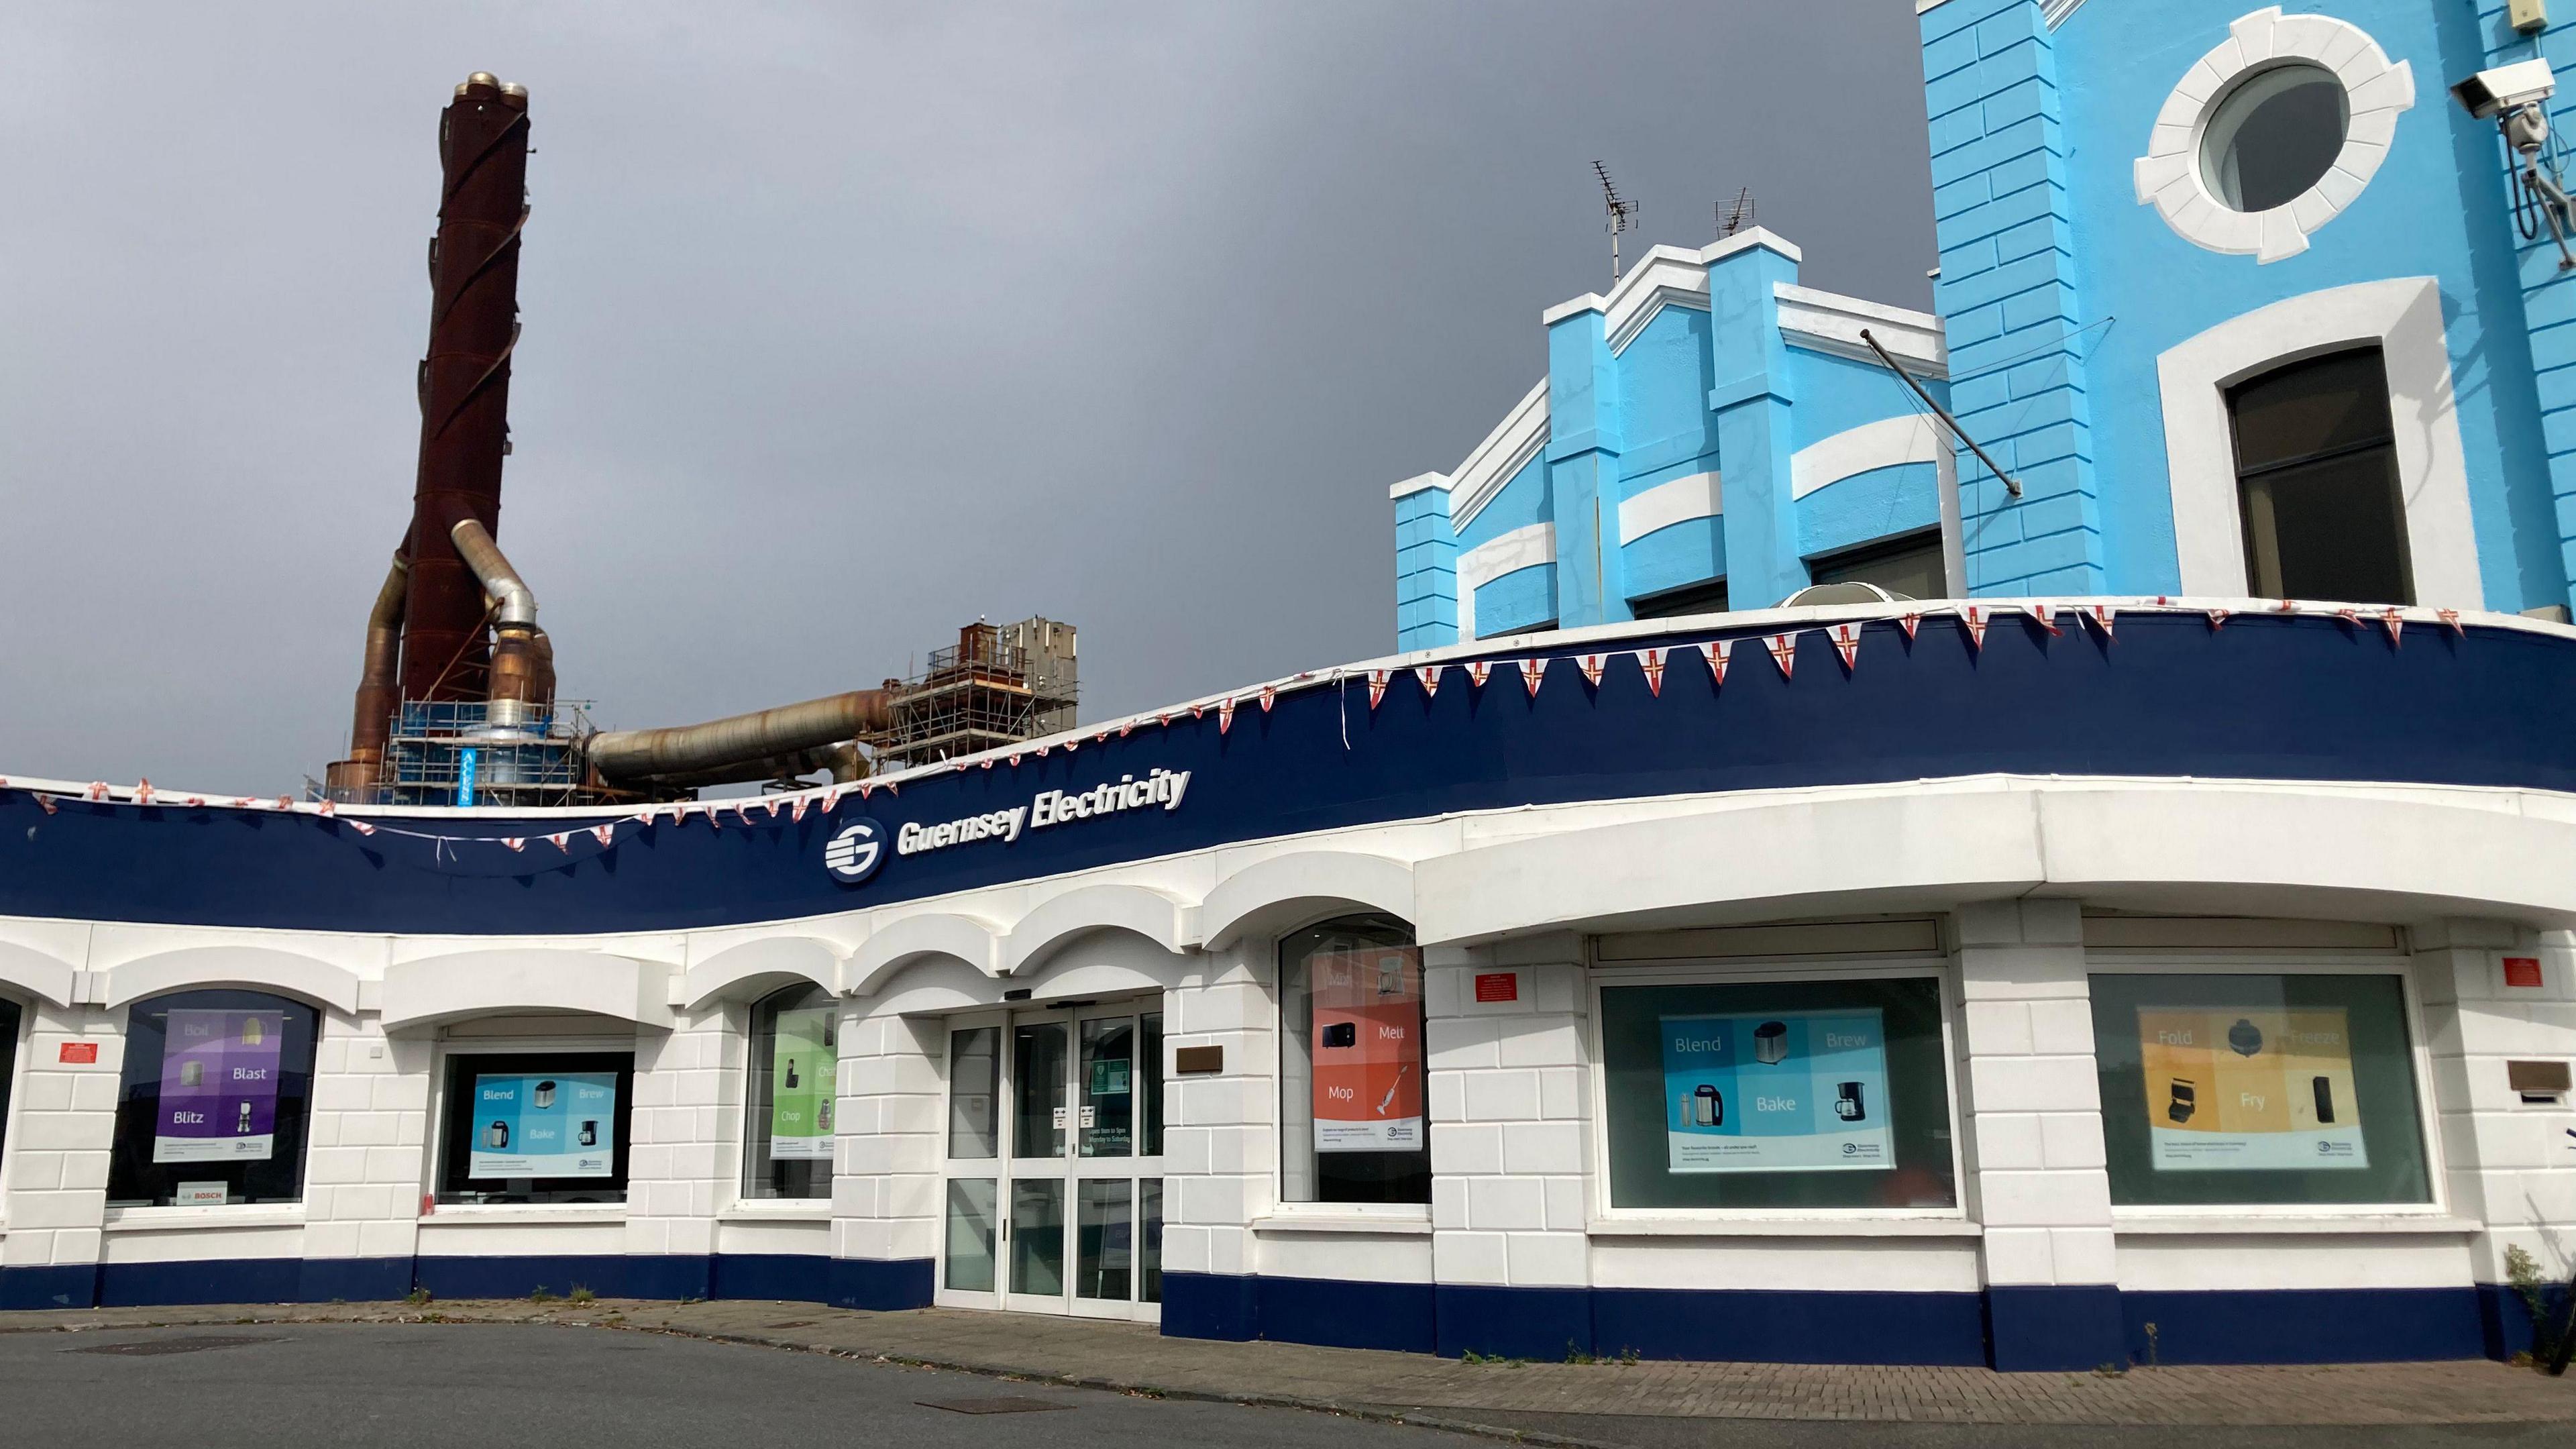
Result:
<point x="1798" y="1091"/>
<point x="554" y="1124"/>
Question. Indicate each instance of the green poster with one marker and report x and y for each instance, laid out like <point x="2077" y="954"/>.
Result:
<point x="800" y="1086"/>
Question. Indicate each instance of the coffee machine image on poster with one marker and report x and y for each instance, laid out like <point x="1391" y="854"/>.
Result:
<point x="2241" y="1088"/>
<point x="555" y="1124"/>
<point x="1368" y="1050"/>
<point x="219" y="1081"/>
<point x="1784" y="1092"/>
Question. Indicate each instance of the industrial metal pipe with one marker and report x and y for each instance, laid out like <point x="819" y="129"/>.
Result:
<point x="371" y="719"/>
<point x="740" y="747"/>
<point x="518" y="696"/>
<point x="515" y="604"/>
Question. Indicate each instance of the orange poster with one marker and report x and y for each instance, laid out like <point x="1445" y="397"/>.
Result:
<point x="1367" y="1039"/>
<point x="2231" y="1088"/>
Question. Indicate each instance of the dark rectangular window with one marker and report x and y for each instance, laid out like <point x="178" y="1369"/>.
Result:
<point x="1909" y="566"/>
<point x="1700" y="598"/>
<point x="9" y="1024"/>
<point x="213" y="1100"/>
<point x="536" y="1127"/>
<point x="2316" y="469"/>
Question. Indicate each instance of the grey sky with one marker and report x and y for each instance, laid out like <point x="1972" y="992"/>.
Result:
<point x="844" y="325"/>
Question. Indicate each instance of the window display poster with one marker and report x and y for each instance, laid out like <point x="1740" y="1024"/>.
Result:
<point x="1367" y="1021"/>
<point x="801" y="1086"/>
<point x="2235" y="1088"/>
<point x="219" y="1086"/>
<point x="551" y="1124"/>
<point x="1795" y="1091"/>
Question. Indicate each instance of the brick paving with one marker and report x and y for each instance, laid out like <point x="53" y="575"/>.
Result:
<point x="1137" y="1358"/>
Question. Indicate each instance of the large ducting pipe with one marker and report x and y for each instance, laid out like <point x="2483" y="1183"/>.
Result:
<point x="465" y="382"/>
<point x="767" y="744"/>
<point x="522" y="687"/>
<point x="371" y="719"/>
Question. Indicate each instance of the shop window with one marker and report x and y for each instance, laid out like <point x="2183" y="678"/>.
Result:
<point x="1703" y="598"/>
<point x="1355" y="1129"/>
<point x="2316" y="470"/>
<point x="1909" y="567"/>
<point x="213" y="1102"/>
<point x="2273" y="136"/>
<point x="2254" y="1088"/>
<point x="536" y="1127"/>
<point x="795" y="1060"/>
<point x="9" y="1023"/>
<point x="1777" y="1095"/>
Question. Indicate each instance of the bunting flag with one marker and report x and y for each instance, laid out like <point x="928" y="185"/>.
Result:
<point x="1197" y="710"/>
<point x="1124" y="726"/>
<point x="1224" y="715"/>
<point x="1784" y="651"/>
<point x="326" y="808"/>
<point x="1100" y="737"/>
<point x="2452" y="618"/>
<point x="1042" y="751"/>
<point x="1269" y="697"/>
<point x="143" y="792"/>
<point x="283" y="802"/>
<point x="1532" y="672"/>
<point x="362" y="827"/>
<point x="514" y="842"/>
<point x="2046" y="615"/>
<point x="1429" y="674"/>
<point x="1478" y="670"/>
<point x="1072" y="743"/>
<point x="715" y="820"/>
<point x="2217" y="619"/>
<point x="1910" y="623"/>
<point x="1715" y="652"/>
<point x="2289" y="606"/>
<point x="2395" y="622"/>
<point x="561" y="840"/>
<point x="2101" y="615"/>
<point x="1590" y="664"/>
<point x="894" y="787"/>
<point x="195" y="802"/>
<point x="45" y="803"/>
<point x="988" y="764"/>
<point x="98" y="791"/>
<point x="1652" y="662"/>
<point x="1972" y="617"/>
<point x="1377" y="687"/>
<point x="1847" y="643"/>
<point x="606" y="835"/>
<point x="832" y="793"/>
<point x="2349" y="616"/>
<point x="773" y="803"/>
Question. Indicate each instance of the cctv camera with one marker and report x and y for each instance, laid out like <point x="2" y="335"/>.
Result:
<point x="2506" y="88"/>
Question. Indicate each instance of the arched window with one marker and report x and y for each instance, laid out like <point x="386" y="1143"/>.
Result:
<point x="213" y="1100"/>
<point x="2316" y="470"/>
<point x="1352" y="1101"/>
<point x="795" y="1062"/>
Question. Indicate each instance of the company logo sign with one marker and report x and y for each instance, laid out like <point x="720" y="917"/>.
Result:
<point x="855" y="851"/>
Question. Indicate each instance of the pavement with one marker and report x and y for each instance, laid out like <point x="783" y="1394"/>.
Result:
<point x="1650" y="1405"/>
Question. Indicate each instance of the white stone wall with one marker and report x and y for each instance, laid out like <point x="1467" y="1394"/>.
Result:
<point x="58" y="1145"/>
<point x="685" y="1147"/>
<point x="1510" y="1100"/>
<point x="2509" y="1164"/>
<point x="368" y="1167"/>
<point x="1220" y="1130"/>
<point x="886" y="1193"/>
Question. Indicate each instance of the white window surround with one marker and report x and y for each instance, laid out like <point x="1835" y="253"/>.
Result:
<point x="2168" y="175"/>
<point x="1522" y="548"/>
<point x="2403" y="316"/>
<point x="1679" y="500"/>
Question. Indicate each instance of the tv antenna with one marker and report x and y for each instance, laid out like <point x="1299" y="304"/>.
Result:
<point x="1735" y="216"/>
<point x="1623" y="215"/>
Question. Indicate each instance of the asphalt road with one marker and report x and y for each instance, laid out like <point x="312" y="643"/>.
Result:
<point x="356" y="1386"/>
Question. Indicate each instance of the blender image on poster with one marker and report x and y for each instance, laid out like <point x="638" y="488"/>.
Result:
<point x="2237" y="1088"/>
<point x="1776" y="1092"/>
<point x="549" y="1124"/>
<point x="219" y="1086"/>
<point x="1368" y="1051"/>
<point x="800" y="1086"/>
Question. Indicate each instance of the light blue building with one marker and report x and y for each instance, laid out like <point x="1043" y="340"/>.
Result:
<point x="2237" y="299"/>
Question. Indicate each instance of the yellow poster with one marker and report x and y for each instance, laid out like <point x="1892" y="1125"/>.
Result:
<point x="2231" y="1088"/>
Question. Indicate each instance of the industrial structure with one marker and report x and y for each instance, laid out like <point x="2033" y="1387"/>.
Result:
<point x="456" y="696"/>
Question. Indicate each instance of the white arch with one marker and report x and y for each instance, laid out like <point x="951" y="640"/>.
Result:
<point x="932" y="984"/>
<point x="1887" y="443"/>
<point x="2403" y="316"/>
<point x="1107" y="962"/>
<point x="36" y="973"/>
<point x="1277" y="891"/>
<point x="768" y="963"/>
<point x="253" y="966"/>
<point x="481" y="983"/>
<point x="970" y="939"/>
<point x="1149" y="913"/>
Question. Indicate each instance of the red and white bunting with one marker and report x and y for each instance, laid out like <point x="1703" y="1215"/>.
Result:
<point x="1533" y="671"/>
<point x="2349" y="616"/>
<point x="894" y="787"/>
<point x="195" y="802"/>
<point x="143" y="792"/>
<point x="561" y="840"/>
<point x="715" y="818"/>
<point x="2396" y="623"/>
<point x="1100" y="737"/>
<point x="1910" y="623"/>
<point x="2217" y="619"/>
<point x="606" y="835"/>
<point x="1269" y="697"/>
<point x="98" y="791"/>
<point x="988" y="764"/>
<point x="285" y="803"/>
<point x="773" y="803"/>
<point x="1652" y="662"/>
<point x="1847" y="644"/>
<point x="1377" y="686"/>
<point x="1042" y="751"/>
<point x="1072" y="743"/>
<point x="2452" y="618"/>
<point x="360" y="826"/>
<point x="832" y="793"/>
<point x="1015" y="759"/>
<point x="1591" y="664"/>
<point x="1972" y="617"/>
<point x="1429" y="674"/>
<point x="1478" y="670"/>
<point x="1124" y="726"/>
<point x="1224" y="715"/>
<point x="1164" y="720"/>
<point x="326" y="808"/>
<point x="1784" y="651"/>
<point x="1197" y="710"/>
<point x="865" y="786"/>
<point x="1715" y="652"/>
<point x="2288" y="606"/>
<point x="45" y="803"/>
<point x="514" y="842"/>
<point x="2101" y="615"/>
<point x="2046" y="614"/>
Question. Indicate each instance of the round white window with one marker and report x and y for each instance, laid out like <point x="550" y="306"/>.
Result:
<point x="2272" y="134"/>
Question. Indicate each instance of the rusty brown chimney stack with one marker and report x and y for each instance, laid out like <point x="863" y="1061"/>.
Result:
<point x="465" y="384"/>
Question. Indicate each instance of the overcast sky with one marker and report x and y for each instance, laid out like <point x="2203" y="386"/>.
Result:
<point x="843" y="325"/>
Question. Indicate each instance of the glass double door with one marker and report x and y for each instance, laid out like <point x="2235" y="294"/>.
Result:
<point x="1053" y="1190"/>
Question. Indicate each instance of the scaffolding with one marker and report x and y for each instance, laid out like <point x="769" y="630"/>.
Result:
<point x="446" y="752"/>
<point x="998" y="685"/>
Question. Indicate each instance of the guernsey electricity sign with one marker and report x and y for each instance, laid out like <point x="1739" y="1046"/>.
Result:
<point x="853" y="853"/>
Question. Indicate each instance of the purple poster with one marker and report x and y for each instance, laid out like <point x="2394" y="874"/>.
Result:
<point x="219" y="1086"/>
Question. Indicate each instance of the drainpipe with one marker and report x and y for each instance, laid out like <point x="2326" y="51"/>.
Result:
<point x="522" y="658"/>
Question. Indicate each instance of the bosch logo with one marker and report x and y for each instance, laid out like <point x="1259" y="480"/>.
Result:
<point x="854" y="851"/>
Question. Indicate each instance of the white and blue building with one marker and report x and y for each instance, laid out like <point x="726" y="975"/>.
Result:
<point x="2145" y="937"/>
